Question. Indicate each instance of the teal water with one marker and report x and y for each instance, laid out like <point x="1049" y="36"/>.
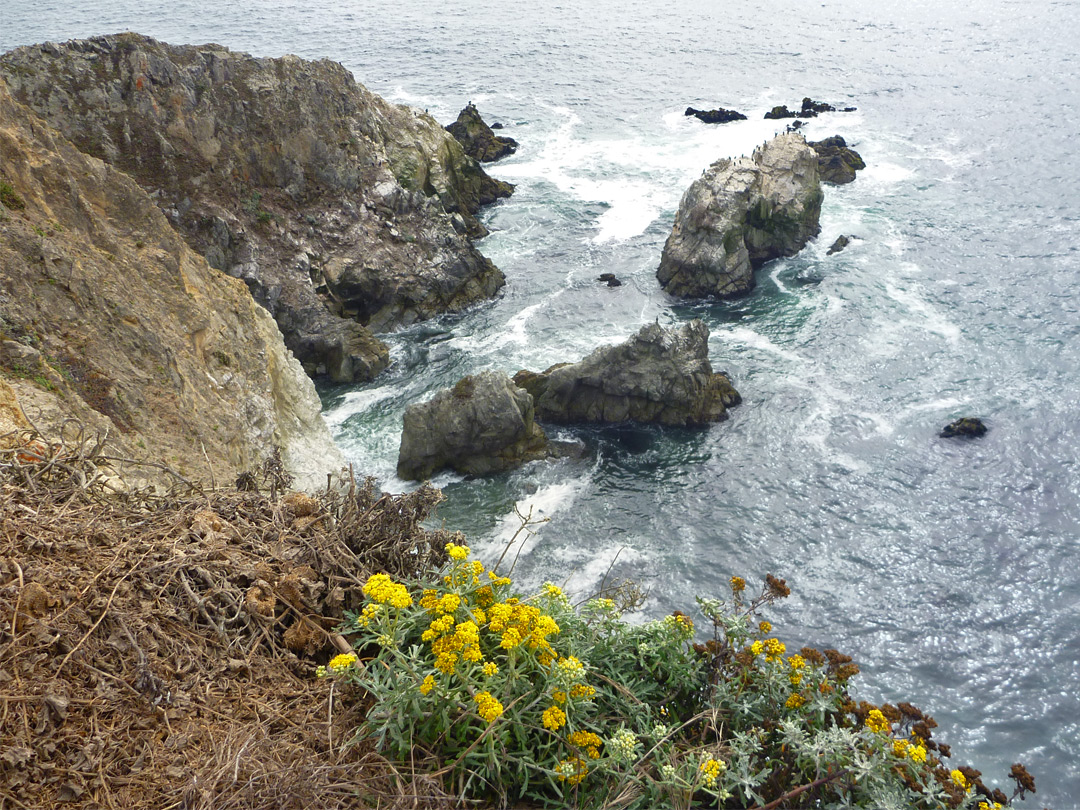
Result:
<point x="948" y="569"/>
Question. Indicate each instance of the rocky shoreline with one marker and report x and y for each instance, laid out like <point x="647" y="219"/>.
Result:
<point x="343" y="215"/>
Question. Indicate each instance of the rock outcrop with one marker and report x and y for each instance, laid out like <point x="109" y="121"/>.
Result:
<point x="343" y="214"/>
<point x="659" y="375"/>
<point x="968" y="427"/>
<point x="477" y="139"/>
<point x="740" y="214"/>
<point x="841" y="242"/>
<point x="837" y="162"/>
<point x="484" y="424"/>
<point x="109" y="319"/>
<point x="717" y="116"/>
<point x="809" y="109"/>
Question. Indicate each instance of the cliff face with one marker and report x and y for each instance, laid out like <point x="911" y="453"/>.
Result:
<point x="339" y="210"/>
<point x="107" y="317"/>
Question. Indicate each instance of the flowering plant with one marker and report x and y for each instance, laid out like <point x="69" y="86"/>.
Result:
<point x="511" y="697"/>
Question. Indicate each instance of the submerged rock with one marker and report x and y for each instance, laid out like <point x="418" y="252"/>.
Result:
<point x="610" y="279"/>
<point x="658" y="375"/>
<point x="717" y="116"/>
<point x="966" y="427"/>
<point x="837" y="162"/>
<point x="484" y="424"/>
<point x="740" y="214"/>
<point x="477" y="139"/>
<point x="341" y="212"/>
<point x="136" y="339"/>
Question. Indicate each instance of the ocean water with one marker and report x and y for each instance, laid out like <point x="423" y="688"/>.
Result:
<point x="948" y="569"/>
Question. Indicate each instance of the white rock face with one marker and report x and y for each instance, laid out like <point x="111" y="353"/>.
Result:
<point x="740" y="214"/>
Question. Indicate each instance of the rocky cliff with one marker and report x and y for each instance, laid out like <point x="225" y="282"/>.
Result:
<point x="109" y="319"/>
<point x="740" y="214"/>
<point x="342" y="213"/>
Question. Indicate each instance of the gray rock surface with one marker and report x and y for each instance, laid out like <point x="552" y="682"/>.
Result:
<point x="740" y="214"/>
<point x="484" y="424"/>
<point x="658" y="375"/>
<point x="343" y="214"/>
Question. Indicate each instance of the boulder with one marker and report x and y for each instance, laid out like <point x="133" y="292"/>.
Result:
<point x="659" y="375"/>
<point x="717" y="116"/>
<point x="967" y="427"/>
<point x="610" y="279"/>
<point x="840" y="243"/>
<point x="477" y="139"/>
<point x="740" y="214"/>
<point x="484" y="424"/>
<point x="342" y="213"/>
<point x="837" y="162"/>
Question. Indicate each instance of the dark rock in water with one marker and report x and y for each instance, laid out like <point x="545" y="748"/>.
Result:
<point x="837" y="162"/>
<point x="717" y="116"/>
<point x="967" y="427"/>
<point x="610" y="279"/>
<point x="344" y="214"/>
<point x="809" y="109"/>
<point x="497" y="125"/>
<point x="482" y="425"/>
<point x="659" y="375"/>
<point x="840" y="243"/>
<point x="795" y="126"/>
<point x="807" y="278"/>
<point x="781" y="111"/>
<point x="740" y="214"/>
<point x="476" y="137"/>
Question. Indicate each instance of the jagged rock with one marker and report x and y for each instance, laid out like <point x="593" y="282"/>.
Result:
<point x="809" y="109"/>
<point x="609" y="279"/>
<point x="840" y="243"/>
<point x="717" y="116"/>
<point x="341" y="212"/>
<point x="476" y="137"/>
<point x="484" y="424"/>
<point x="658" y="375"/>
<point x="740" y="214"/>
<point x="966" y="427"/>
<point x="837" y="162"/>
<point x="109" y="319"/>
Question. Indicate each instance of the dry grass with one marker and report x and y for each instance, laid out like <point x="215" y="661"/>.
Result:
<point x="157" y="649"/>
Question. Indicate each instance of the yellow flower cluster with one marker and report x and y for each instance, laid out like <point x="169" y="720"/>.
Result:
<point x="552" y="590"/>
<point x="559" y="696"/>
<point x="959" y="779"/>
<point x="490" y="669"/>
<point x="738" y="584"/>
<point x="340" y="663"/>
<point x="570" y="669"/>
<point x="427" y="685"/>
<point x="572" y="770"/>
<point x="588" y="741"/>
<point x="900" y="748"/>
<point x="877" y="722"/>
<point x="448" y="647"/>
<point x="917" y="753"/>
<point x="774" y="649"/>
<point x="988" y="806"/>
<point x="371" y="610"/>
<point x="457" y="552"/>
<point x="765" y="628"/>
<point x="554" y="718"/>
<point x="582" y="690"/>
<point x="681" y="623"/>
<point x="522" y="624"/>
<point x="380" y="588"/>
<point x="794" y="701"/>
<point x="488" y="707"/>
<point x="711" y="770"/>
<point x="797" y="664"/>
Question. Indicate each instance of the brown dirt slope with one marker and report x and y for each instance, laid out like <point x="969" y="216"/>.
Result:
<point x="158" y="651"/>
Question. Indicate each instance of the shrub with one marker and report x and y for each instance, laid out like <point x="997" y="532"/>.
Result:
<point x="9" y="197"/>
<point x="510" y="698"/>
